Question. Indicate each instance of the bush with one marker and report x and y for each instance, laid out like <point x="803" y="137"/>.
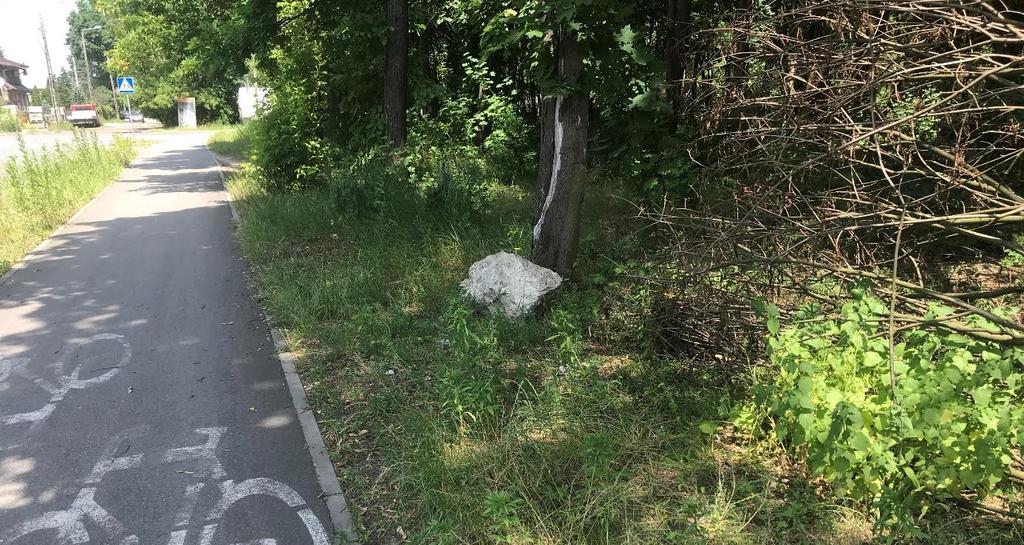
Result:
<point x="953" y="422"/>
<point x="9" y="122"/>
<point x="286" y="144"/>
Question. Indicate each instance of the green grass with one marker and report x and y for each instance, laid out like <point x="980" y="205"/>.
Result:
<point x="9" y="122"/>
<point x="233" y="142"/>
<point x="217" y="126"/>
<point x="60" y="126"/>
<point x="447" y="427"/>
<point x="40" y="191"/>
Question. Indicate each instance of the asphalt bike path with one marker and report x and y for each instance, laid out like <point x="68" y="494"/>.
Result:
<point x="141" y="400"/>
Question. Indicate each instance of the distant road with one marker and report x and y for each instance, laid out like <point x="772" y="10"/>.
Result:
<point x="37" y="140"/>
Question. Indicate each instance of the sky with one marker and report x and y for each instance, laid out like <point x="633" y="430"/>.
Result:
<point x="20" y="39"/>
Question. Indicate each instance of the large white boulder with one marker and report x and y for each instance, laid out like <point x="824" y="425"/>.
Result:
<point x="509" y="284"/>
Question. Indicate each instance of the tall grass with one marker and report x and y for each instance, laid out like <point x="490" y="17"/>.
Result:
<point x="41" y="190"/>
<point x="449" y="427"/>
<point x="233" y="141"/>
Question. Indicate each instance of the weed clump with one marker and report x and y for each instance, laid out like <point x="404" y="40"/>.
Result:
<point x="40" y="190"/>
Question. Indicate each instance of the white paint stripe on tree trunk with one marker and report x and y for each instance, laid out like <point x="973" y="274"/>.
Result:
<point x="555" y="166"/>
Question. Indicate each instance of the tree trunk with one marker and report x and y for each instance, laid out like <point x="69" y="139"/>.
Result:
<point x="396" y="73"/>
<point x="561" y="178"/>
<point x="545" y="151"/>
<point x="453" y="59"/>
<point x="429" y="66"/>
<point x="678" y="14"/>
<point x="736" y="68"/>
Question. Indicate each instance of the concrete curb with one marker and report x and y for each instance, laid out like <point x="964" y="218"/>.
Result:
<point x="334" y="497"/>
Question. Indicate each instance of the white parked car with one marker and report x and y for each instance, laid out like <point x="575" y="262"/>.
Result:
<point x="84" y="115"/>
<point x="135" y="116"/>
<point x="35" y="115"/>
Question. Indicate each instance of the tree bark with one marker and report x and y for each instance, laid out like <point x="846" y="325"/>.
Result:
<point x="427" y="39"/>
<point x="545" y="152"/>
<point x="396" y="72"/>
<point x="561" y="179"/>
<point x="736" y="68"/>
<point x="678" y="14"/>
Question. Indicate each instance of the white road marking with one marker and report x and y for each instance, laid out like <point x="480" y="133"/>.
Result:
<point x="206" y="538"/>
<point x="316" y="530"/>
<point x="66" y="383"/>
<point x="232" y="492"/>
<point x="8" y="367"/>
<point x="70" y="523"/>
<point x="34" y="416"/>
<point x="205" y="455"/>
<point x="110" y="461"/>
<point x="184" y="515"/>
<point x="178" y="537"/>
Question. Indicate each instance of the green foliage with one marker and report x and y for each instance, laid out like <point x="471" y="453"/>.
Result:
<point x="198" y="50"/>
<point x="502" y="509"/>
<point x="952" y="423"/>
<point x="9" y="122"/>
<point x="86" y="18"/>
<point x="480" y="429"/>
<point x="571" y="427"/>
<point x="235" y="142"/>
<point x="39" y="191"/>
<point x="1014" y="260"/>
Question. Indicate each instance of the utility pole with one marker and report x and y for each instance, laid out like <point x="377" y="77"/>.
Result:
<point x="85" y="55"/>
<point x="74" y="68"/>
<point x="113" y="93"/>
<point x="50" y="81"/>
<point x="88" y="71"/>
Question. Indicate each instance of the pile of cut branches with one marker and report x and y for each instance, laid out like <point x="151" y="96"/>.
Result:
<point x="861" y="142"/>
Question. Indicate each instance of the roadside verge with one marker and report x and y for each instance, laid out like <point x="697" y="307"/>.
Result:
<point x="79" y="171"/>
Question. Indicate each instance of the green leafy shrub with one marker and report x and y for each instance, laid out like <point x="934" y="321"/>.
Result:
<point x="9" y="122"/>
<point x="286" y="145"/>
<point x="952" y="423"/>
<point x="370" y="184"/>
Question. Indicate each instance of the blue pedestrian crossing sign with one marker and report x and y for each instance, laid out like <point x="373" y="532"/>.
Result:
<point x="126" y="85"/>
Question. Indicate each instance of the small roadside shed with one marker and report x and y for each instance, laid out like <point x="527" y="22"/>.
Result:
<point x="12" y="91"/>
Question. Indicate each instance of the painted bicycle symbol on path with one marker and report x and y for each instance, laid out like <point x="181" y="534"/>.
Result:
<point x="92" y="362"/>
<point x="70" y="526"/>
<point x="67" y="380"/>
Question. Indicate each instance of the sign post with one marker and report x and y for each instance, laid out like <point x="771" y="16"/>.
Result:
<point x="126" y="86"/>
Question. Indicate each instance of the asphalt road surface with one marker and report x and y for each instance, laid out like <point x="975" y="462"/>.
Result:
<point x="140" y="398"/>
